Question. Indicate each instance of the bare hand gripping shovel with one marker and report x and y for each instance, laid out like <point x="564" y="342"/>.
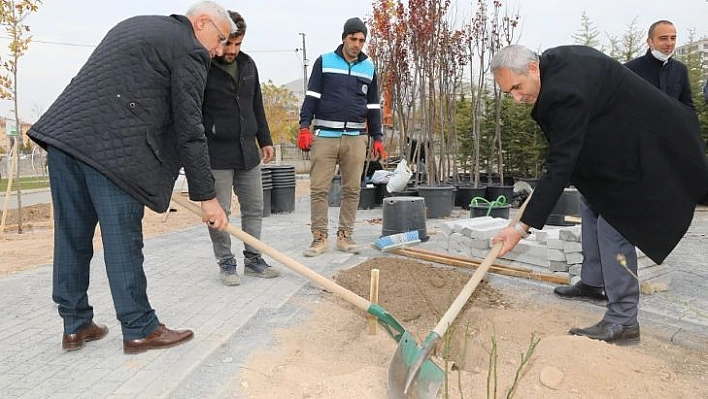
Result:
<point x="411" y="365"/>
<point x="386" y="320"/>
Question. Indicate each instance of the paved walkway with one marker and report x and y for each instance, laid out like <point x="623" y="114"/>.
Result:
<point x="232" y="322"/>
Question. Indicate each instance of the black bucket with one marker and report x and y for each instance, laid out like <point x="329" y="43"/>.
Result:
<point x="404" y="214"/>
<point x="568" y="205"/>
<point x="282" y="196"/>
<point x="464" y="195"/>
<point x="438" y="200"/>
<point x="282" y="199"/>
<point x="493" y="193"/>
<point x="409" y="192"/>
<point x="380" y="193"/>
<point x="493" y="211"/>
<point x="367" y="197"/>
<point x="498" y="208"/>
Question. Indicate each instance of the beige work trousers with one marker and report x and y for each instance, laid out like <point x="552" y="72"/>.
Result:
<point x="350" y="153"/>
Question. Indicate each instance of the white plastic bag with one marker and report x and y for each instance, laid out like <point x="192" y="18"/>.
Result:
<point x="381" y="177"/>
<point x="400" y="177"/>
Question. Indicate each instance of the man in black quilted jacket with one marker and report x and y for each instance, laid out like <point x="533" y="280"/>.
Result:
<point x="116" y="138"/>
<point x="235" y="125"/>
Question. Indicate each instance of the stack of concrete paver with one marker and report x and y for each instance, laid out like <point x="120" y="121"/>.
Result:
<point x="554" y="249"/>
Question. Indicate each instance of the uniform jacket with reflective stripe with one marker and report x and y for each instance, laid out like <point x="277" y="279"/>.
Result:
<point x="133" y="112"/>
<point x="342" y="96"/>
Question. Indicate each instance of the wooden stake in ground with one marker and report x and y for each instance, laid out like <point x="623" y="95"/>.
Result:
<point x="374" y="298"/>
<point x="10" y="176"/>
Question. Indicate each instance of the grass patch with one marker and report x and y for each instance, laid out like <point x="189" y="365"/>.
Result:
<point x="26" y="183"/>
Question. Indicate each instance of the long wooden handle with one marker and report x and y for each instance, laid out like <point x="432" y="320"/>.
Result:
<point x="292" y="264"/>
<point x="458" y="261"/>
<point x="471" y="285"/>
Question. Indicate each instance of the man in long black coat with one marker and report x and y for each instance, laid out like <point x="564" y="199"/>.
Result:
<point x="635" y="154"/>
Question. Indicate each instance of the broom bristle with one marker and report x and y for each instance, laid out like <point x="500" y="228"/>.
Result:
<point x="393" y="241"/>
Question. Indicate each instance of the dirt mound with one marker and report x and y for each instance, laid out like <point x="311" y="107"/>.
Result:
<point x="333" y="356"/>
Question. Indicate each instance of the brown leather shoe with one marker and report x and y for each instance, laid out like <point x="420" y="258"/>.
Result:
<point x="161" y="338"/>
<point x="76" y="341"/>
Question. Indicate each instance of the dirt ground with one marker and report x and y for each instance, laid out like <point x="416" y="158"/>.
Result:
<point x="331" y="354"/>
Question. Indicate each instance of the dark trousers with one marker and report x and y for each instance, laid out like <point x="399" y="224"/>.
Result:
<point x="602" y="268"/>
<point x="83" y="198"/>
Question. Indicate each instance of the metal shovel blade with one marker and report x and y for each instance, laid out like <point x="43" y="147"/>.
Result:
<point x="429" y="378"/>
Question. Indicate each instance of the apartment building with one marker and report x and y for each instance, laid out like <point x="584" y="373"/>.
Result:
<point x="7" y="130"/>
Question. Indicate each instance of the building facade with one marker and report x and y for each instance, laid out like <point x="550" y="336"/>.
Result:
<point x="7" y="131"/>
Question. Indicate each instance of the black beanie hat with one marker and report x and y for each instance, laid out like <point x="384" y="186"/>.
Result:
<point x="354" y="25"/>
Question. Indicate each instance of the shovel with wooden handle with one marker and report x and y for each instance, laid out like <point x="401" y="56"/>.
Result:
<point x="385" y="319"/>
<point x="411" y="365"/>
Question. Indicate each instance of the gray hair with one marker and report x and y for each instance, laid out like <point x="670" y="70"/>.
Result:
<point x="514" y="57"/>
<point x="212" y="9"/>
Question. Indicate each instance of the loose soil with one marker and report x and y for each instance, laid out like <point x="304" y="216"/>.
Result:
<point x="331" y="354"/>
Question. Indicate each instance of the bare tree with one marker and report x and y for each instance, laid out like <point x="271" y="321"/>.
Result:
<point x="503" y="28"/>
<point x="477" y="41"/>
<point x="629" y="45"/>
<point x="12" y="16"/>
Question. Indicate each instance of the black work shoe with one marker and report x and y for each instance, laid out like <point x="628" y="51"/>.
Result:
<point x="582" y="292"/>
<point x="257" y="267"/>
<point x="610" y="332"/>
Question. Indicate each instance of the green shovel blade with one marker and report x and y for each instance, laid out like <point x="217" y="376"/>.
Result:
<point x="428" y="380"/>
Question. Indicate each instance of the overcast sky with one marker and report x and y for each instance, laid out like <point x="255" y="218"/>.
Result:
<point x="65" y="32"/>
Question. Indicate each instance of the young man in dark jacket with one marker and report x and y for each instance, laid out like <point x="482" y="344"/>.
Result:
<point x="628" y="148"/>
<point x="658" y="65"/>
<point x="235" y="124"/>
<point x="601" y="242"/>
<point x="116" y="138"/>
<point x="342" y="105"/>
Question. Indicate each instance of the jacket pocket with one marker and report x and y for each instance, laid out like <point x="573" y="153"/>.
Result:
<point x="209" y="126"/>
<point x="135" y="108"/>
<point x="248" y="85"/>
<point x="155" y="141"/>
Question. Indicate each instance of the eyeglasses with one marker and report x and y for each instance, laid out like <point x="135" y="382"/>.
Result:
<point x="222" y="38"/>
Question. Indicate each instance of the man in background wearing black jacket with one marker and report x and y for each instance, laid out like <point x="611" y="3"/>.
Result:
<point x="235" y="125"/>
<point x="658" y="65"/>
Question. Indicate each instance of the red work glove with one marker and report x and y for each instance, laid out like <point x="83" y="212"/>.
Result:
<point x="304" y="139"/>
<point x="379" y="150"/>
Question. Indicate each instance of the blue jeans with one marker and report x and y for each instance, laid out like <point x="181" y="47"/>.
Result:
<point x="82" y="198"/>
<point x="248" y="187"/>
